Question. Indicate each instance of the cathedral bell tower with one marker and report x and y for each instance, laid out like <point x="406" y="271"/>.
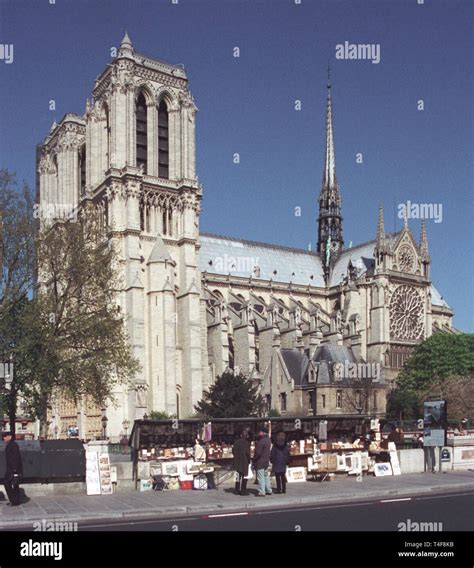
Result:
<point x="330" y="241"/>
<point x="141" y="169"/>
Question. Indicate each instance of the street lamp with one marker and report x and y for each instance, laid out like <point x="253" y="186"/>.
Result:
<point x="104" y="421"/>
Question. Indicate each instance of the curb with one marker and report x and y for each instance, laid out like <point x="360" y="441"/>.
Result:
<point x="183" y="511"/>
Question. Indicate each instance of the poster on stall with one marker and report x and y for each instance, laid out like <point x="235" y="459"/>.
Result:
<point x="295" y="474"/>
<point x="435" y="423"/>
<point x="382" y="469"/>
<point x="395" y="463"/>
<point x="92" y="473"/>
<point x="105" y="476"/>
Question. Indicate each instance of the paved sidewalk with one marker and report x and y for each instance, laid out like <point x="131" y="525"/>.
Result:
<point x="130" y="505"/>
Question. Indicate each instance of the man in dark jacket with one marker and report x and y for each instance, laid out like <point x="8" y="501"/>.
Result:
<point x="241" y="453"/>
<point x="280" y="457"/>
<point x="261" y="462"/>
<point x="14" y="469"/>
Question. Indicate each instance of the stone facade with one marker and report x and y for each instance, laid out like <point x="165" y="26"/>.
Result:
<point x="197" y="304"/>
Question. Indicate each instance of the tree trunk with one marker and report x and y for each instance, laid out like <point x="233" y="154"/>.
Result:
<point x="43" y="418"/>
<point x="12" y="412"/>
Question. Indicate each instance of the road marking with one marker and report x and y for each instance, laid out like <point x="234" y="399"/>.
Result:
<point x="310" y="508"/>
<point x="224" y="515"/>
<point x="395" y="500"/>
<point x="264" y="512"/>
<point x="139" y="522"/>
<point x="443" y="496"/>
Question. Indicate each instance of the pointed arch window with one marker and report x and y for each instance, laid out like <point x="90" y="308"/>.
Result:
<point x="231" y="352"/>
<point x="163" y="140"/>
<point x="141" y="131"/>
<point x="106" y="142"/>
<point x="167" y="221"/>
<point x="82" y="170"/>
<point x="56" y="178"/>
<point x="257" y="346"/>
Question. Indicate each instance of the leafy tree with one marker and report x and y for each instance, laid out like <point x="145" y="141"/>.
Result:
<point x="17" y="232"/>
<point x="70" y="338"/>
<point x="442" y="367"/>
<point x="78" y="344"/>
<point x="404" y="404"/>
<point x="231" y="396"/>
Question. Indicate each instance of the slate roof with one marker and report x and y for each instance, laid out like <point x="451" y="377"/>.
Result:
<point x="297" y="364"/>
<point x="334" y="354"/>
<point x="286" y="264"/>
<point x="437" y="299"/>
<point x="277" y="263"/>
<point x="361" y="256"/>
<point x="325" y="356"/>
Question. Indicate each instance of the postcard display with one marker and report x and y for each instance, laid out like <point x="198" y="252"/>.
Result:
<point x="98" y="474"/>
<point x="173" y="473"/>
<point x="92" y="473"/>
<point x="167" y="462"/>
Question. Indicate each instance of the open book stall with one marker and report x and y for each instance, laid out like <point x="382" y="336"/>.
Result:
<point x="193" y="454"/>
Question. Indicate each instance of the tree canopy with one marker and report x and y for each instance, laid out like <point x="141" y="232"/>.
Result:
<point x="231" y="396"/>
<point x="60" y="320"/>
<point x="442" y="367"/>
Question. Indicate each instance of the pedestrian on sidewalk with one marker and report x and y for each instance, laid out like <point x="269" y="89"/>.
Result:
<point x="261" y="462"/>
<point x="280" y="458"/>
<point x="241" y="453"/>
<point x="14" y="469"/>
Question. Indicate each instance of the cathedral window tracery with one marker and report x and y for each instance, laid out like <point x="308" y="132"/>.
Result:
<point x="406" y="313"/>
<point x="82" y="170"/>
<point x="141" y="131"/>
<point x="163" y="140"/>
<point x="406" y="259"/>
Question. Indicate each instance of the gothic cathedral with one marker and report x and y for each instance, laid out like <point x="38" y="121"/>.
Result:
<point x="198" y="304"/>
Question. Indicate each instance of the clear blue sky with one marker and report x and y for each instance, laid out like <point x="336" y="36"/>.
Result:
<point x="247" y="106"/>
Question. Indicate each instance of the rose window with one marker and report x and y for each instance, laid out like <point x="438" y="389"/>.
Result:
<point x="406" y="313"/>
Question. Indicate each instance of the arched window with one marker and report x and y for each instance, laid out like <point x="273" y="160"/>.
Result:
<point x="163" y="141"/>
<point x="257" y="345"/>
<point x="167" y="217"/>
<point x="82" y="170"/>
<point x="55" y="188"/>
<point x="141" y="127"/>
<point x="106" y="140"/>
<point x="231" y="352"/>
<point x="165" y="221"/>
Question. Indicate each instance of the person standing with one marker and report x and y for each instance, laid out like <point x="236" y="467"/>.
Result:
<point x="261" y="462"/>
<point x="14" y="469"/>
<point x="401" y="435"/>
<point x="393" y="436"/>
<point x="279" y="458"/>
<point x="241" y="453"/>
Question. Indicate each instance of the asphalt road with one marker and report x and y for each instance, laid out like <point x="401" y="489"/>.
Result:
<point x="454" y="511"/>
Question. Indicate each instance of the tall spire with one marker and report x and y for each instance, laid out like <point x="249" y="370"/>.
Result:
<point x="329" y="175"/>
<point x="330" y="241"/>
<point x="380" y="229"/>
<point x="425" y="255"/>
